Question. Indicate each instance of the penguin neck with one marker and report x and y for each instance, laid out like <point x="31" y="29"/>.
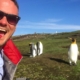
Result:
<point x="74" y="42"/>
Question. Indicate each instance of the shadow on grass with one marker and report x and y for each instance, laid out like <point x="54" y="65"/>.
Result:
<point x="28" y="54"/>
<point x="59" y="60"/>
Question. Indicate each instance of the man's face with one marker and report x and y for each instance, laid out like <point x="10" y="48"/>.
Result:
<point x="8" y="10"/>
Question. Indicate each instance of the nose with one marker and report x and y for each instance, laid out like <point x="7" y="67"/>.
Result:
<point x="3" y="21"/>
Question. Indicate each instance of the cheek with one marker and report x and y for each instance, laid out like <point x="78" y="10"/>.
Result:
<point x="12" y="28"/>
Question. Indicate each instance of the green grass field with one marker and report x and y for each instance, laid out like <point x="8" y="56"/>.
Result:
<point x="53" y="63"/>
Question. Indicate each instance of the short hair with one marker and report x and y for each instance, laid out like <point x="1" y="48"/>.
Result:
<point x="16" y="3"/>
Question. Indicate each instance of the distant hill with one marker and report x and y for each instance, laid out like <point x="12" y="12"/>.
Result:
<point x="75" y="34"/>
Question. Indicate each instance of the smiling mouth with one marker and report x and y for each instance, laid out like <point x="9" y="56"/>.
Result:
<point x="2" y="32"/>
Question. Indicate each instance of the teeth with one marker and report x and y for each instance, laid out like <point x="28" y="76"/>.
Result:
<point x="2" y="30"/>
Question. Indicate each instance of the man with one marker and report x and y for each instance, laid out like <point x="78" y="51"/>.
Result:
<point x="8" y="20"/>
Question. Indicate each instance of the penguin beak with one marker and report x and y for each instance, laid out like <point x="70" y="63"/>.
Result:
<point x="70" y="38"/>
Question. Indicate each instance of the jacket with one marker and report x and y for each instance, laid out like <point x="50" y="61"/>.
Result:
<point x="11" y="57"/>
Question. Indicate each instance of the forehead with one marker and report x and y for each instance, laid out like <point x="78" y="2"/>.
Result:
<point x="8" y="6"/>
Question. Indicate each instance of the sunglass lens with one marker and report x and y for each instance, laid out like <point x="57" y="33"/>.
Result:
<point x="1" y="15"/>
<point x="12" y="19"/>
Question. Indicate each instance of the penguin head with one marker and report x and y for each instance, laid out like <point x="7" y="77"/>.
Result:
<point x="73" y="40"/>
<point x="30" y="43"/>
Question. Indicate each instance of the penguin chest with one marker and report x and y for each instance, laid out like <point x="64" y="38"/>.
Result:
<point x="73" y="51"/>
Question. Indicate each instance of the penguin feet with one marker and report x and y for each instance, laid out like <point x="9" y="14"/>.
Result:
<point x="73" y="64"/>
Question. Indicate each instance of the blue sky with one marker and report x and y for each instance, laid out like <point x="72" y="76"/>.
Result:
<point x="48" y="16"/>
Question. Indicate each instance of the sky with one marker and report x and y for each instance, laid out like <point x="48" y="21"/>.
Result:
<point x="48" y="16"/>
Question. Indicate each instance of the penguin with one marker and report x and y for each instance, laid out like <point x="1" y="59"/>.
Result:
<point x="73" y="52"/>
<point x="33" y="50"/>
<point x="39" y="48"/>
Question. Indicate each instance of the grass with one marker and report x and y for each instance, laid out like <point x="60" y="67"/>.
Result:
<point x="53" y="63"/>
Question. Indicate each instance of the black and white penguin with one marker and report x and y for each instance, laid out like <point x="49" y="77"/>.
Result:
<point x="39" y="48"/>
<point x="73" y="52"/>
<point x="33" y="49"/>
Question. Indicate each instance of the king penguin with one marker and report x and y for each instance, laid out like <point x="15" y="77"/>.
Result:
<point x="73" y="52"/>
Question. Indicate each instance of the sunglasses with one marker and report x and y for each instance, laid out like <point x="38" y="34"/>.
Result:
<point x="12" y="19"/>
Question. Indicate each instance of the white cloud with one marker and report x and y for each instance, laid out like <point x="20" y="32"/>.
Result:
<point x="53" y="20"/>
<point x="47" y="24"/>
